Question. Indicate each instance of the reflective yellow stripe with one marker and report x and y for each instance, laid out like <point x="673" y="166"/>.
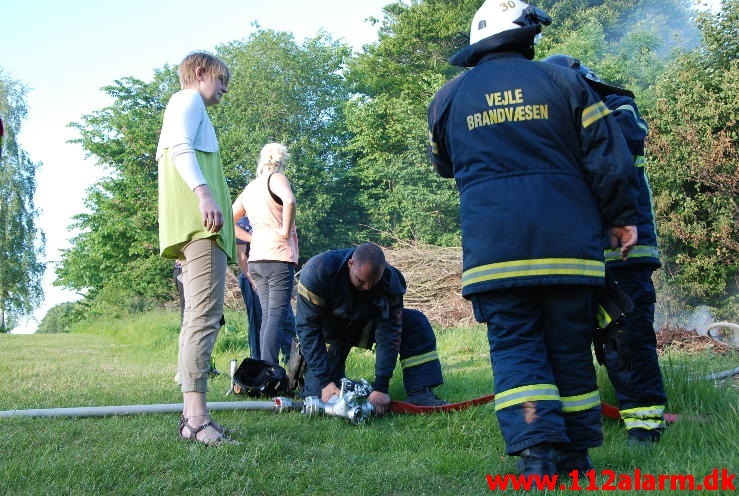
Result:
<point x="593" y="113"/>
<point x="581" y="402"/>
<point x="639" y="251"/>
<point x="644" y="417"/>
<point x="432" y="143"/>
<point x="639" y="161"/>
<point x="419" y="359"/>
<point x="644" y="424"/>
<point x="642" y="412"/>
<point x="310" y="296"/>
<point x="528" y="268"/>
<point x="603" y="317"/>
<point x="534" y="392"/>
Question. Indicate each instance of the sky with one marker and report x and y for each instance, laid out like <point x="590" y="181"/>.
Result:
<point x="65" y="52"/>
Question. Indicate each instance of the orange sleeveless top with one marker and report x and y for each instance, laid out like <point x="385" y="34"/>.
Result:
<point x="265" y="217"/>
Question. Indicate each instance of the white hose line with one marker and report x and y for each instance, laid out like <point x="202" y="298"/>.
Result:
<point x="103" y="411"/>
<point x="723" y="375"/>
<point x="721" y="325"/>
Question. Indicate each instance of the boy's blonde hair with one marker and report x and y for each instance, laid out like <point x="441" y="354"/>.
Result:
<point x="210" y="63"/>
<point x="272" y="156"/>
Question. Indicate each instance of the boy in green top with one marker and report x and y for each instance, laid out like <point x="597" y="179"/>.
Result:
<point x="192" y="198"/>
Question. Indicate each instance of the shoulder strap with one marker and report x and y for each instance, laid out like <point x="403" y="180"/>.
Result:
<point x="276" y="198"/>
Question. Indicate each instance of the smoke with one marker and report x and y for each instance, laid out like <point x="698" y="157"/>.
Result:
<point x="673" y="21"/>
<point x="697" y="320"/>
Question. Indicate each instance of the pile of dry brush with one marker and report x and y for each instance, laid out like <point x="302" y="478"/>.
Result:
<point x="673" y="338"/>
<point x="434" y="278"/>
<point x="433" y="275"/>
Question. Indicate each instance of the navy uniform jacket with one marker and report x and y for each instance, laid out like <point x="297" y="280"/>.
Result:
<point x="330" y="309"/>
<point x="243" y="223"/>
<point x="634" y="128"/>
<point x="541" y="169"/>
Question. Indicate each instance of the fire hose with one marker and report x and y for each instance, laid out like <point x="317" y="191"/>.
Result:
<point x="105" y="411"/>
<point x="351" y="403"/>
<point x="354" y="412"/>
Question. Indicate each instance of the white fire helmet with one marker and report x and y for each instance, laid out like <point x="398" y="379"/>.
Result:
<point x="496" y="16"/>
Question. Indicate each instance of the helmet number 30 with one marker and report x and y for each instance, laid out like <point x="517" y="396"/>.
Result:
<point x="510" y="4"/>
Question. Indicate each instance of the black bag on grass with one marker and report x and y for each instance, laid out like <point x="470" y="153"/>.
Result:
<point x="260" y="378"/>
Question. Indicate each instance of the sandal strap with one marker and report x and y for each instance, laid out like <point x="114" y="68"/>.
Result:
<point x="184" y="423"/>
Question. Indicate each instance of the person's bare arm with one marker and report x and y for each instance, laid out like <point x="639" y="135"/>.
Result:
<point x="241" y="259"/>
<point x="280" y="186"/>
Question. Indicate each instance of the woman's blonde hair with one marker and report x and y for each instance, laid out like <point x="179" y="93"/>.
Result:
<point x="210" y="63"/>
<point x="272" y="157"/>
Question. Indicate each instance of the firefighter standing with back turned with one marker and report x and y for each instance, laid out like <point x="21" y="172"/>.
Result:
<point x="540" y="165"/>
<point x="633" y="366"/>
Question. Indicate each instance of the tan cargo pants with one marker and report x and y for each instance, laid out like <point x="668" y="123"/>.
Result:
<point x="204" y="281"/>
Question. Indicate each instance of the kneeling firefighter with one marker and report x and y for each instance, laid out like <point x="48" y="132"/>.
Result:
<point x="353" y="297"/>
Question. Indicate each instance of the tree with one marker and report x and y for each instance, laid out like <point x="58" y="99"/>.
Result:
<point x="292" y="93"/>
<point x="356" y="129"/>
<point x="115" y="258"/>
<point x="21" y="242"/>
<point x="397" y="76"/>
<point x="395" y="79"/>
<point x="626" y="42"/>
<point x="694" y="163"/>
<point x="60" y="318"/>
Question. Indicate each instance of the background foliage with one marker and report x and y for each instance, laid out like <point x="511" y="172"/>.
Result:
<point x="694" y="158"/>
<point x="21" y="242"/>
<point x="356" y="128"/>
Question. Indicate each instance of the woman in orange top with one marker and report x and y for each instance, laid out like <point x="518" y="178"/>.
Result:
<point x="269" y="203"/>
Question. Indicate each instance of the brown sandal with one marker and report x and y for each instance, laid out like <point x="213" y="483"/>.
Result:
<point x="226" y="432"/>
<point x="184" y="424"/>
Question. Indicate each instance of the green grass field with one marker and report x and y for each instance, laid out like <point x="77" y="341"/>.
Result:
<point x="132" y="361"/>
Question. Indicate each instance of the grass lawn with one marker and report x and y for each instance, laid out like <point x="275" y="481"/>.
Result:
<point x="132" y="361"/>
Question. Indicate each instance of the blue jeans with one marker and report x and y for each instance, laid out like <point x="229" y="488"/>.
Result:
<point x="254" y="317"/>
<point x="274" y="282"/>
<point x="253" y="314"/>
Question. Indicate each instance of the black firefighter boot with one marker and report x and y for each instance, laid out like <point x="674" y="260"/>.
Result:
<point x="643" y="437"/>
<point x="424" y="397"/>
<point x="540" y="459"/>
<point x="571" y="459"/>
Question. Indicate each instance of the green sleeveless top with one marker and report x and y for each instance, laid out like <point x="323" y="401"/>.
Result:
<point x="180" y="220"/>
